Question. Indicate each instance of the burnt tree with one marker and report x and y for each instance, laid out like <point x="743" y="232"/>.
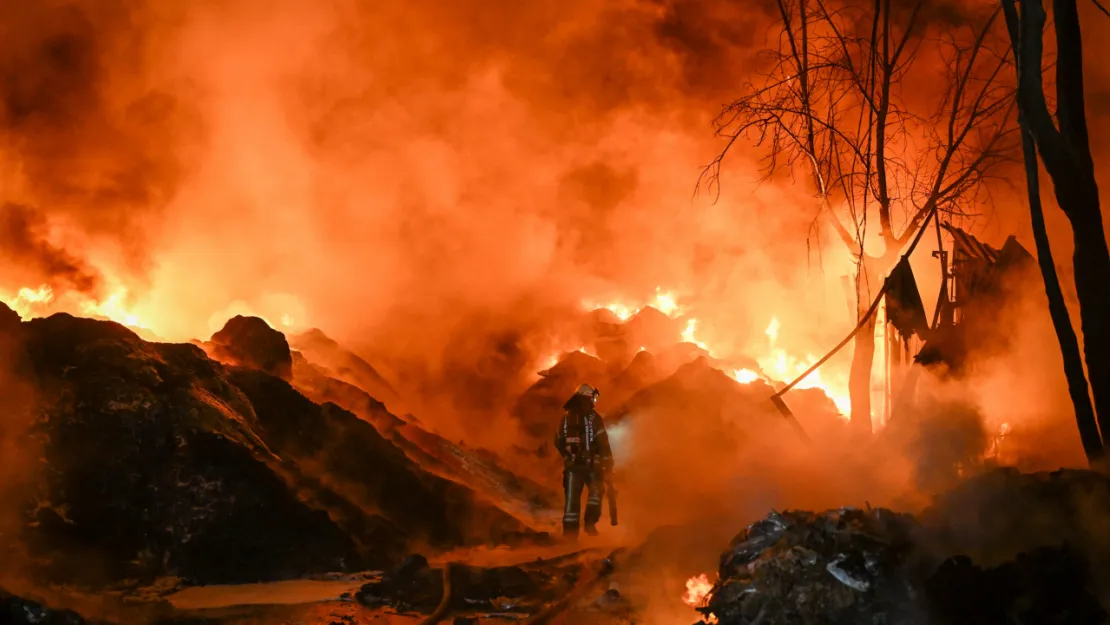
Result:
<point x="881" y="125"/>
<point x="1064" y="148"/>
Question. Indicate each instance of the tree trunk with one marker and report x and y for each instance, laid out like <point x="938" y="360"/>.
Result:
<point x="1057" y="308"/>
<point x="1092" y="286"/>
<point x="868" y="284"/>
<point x="859" y="377"/>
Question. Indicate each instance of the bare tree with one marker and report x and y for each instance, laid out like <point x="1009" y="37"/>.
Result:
<point x="890" y="115"/>
<point x="1065" y="151"/>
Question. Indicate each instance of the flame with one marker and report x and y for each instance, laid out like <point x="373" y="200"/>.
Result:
<point x="772" y="330"/>
<point x="745" y="376"/>
<point x="782" y="366"/>
<point x="113" y="308"/>
<point x="688" y="335"/>
<point x="29" y="303"/>
<point x="697" y="589"/>
<point x="664" y="301"/>
<point x="776" y="364"/>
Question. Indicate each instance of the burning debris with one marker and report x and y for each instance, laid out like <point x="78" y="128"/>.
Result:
<point x="867" y="566"/>
<point x="20" y="611"/>
<point x="841" y="566"/>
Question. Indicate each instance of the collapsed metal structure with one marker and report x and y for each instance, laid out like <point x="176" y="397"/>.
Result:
<point x="973" y="274"/>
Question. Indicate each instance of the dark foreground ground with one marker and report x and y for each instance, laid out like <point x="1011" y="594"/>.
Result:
<point x="241" y="481"/>
<point x="1004" y="548"/>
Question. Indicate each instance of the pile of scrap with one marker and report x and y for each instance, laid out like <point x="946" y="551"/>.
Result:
<point x="841" y="566"/>
<point x="851" y="566"/>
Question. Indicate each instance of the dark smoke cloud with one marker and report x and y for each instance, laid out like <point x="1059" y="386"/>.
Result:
<point x="23" y="242"/>
<point x="96" y="136"/>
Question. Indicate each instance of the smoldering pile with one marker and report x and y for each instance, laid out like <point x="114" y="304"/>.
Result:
<point x="227" y="462"/>
<point x="647" y="363"/>
<point x="853" y="566"/>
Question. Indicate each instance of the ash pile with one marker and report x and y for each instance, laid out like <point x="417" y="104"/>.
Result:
<point x="866" y="567"/>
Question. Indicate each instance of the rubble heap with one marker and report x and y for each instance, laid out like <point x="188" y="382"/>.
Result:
<point x="842" y="566"/>
<point x="20" y="611"/>
<point x="851" y="566"/>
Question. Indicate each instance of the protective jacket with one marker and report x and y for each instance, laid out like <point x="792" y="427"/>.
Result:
<point x="587" y="457"/>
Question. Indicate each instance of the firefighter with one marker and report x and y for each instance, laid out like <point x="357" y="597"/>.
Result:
<point x="587" y="459"/>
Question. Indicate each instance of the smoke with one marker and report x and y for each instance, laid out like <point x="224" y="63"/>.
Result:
<point x="25" y="244"/>
<point x="93" y="133"/>
<point x="438" y="184"/>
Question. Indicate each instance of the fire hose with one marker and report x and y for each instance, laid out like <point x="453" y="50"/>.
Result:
<point x="580" y="590"/>
<point x="444" y="607"/>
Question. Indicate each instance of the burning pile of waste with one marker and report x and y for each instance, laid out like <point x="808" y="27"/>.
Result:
<point x="840" y="566"/>
<point x="876" y="566"/>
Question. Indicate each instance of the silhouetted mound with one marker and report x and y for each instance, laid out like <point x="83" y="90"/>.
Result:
<point x="995" y="516"/>
<point x="651" y="328"/>
<point x="843" y="566"/>
<point x="481" y="472"/>
<point x="336" y="362"/>
<point x="160" y="462"/>
<point x="19" y="611"/>
<point x="852" y="566"/>
<point x="540" y="407"/>
<point x="336" y="448"/>
<point x="698" y="391"/>
<point x="153" y="467"/>
<point x="9" y="319"/>
<point x="644" y="370"/>
<point x="250" y="342"/>
<point x="1048" y="585"/>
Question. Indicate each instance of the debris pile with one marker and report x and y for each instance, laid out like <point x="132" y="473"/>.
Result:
<point x="252" y="343"/>
<point x="1047" y="585"/>
<point x="852" y="566"/>
<point x="19" y="611"/>
<point x="160" y="461"/>
<point x="841" y="566"/>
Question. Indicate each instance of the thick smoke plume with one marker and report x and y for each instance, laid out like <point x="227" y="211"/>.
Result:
<point x="437" y="183"/>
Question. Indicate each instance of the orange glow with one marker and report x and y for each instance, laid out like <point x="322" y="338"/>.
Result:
<point x="113" y="308"/>
<point x="40" y="302"/>
<point x="778" y="365"/>
<point x="697" y="589"/>
<point x="745" y="376"/>
<point x="664" y="301"/>
<point x="27" y="302"/>
<point x="689" y="335"/>
<point x="785" y="367"/>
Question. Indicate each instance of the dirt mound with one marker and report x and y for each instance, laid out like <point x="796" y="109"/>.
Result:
<point x="334" y="361"/>
<point x="251" y="342"/>
<point x="154" y="467"/>
<point x="994" y="516"/>
<point x="160" y="461"/>
<point x="540" y="407"/>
